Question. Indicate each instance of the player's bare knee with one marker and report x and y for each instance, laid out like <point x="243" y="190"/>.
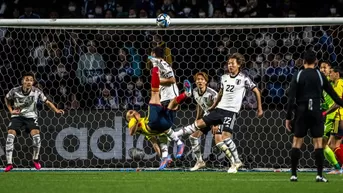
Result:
<point x="318" y="142"/>
<point x="297" y="142"/>
<point x="226" y="135"/>
<point x="200" y="124"/>
<point x="11" y="131"/>
<point x="34" y="132"/>
<point x="196" y="134"/>
<point x="218" y="138"/>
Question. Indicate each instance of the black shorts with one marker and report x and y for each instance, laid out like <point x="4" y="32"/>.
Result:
<point x="22" y="123"/>
<point x="226" y="119"/>
<point x="209" y="128"/>
<point x="305" y="120"/>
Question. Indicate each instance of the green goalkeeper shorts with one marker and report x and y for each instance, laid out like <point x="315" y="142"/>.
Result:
<point x="328" y="127"/>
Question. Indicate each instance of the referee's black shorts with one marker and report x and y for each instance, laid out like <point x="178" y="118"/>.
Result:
<point x="308" y="119"/>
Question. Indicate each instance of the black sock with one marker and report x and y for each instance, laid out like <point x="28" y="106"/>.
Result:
<point x="319" y="156"/>
<point x="295" y="156"/>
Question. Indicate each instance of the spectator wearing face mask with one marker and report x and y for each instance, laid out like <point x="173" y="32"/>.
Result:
<point x="132" y="13"/>
<point x="98" y="12"/>
<point x="109" y="14"/>
<point x="107" y="100"/>
<point x="143" y="13"/>
<point x="73" y="11"/>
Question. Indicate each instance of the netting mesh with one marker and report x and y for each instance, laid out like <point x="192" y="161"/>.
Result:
<point x="97" y="74"/>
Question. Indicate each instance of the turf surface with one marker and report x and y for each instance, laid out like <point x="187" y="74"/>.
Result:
<point x="163" y="182"/>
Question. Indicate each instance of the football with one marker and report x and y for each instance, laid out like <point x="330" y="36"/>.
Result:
<point x="136" y="153"/>
<point x="163" y="20"/>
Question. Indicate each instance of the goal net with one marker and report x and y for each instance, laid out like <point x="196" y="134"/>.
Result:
<point x="97" y="69"/>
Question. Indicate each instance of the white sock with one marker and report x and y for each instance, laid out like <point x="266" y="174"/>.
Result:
<point x="225" y="149"/>
<point x="196" y="148"/>
<point x="36" y="146"/>
<point x="187" y="130"/>
<point x="171" y="134"/>
<point x="9" y="148"/>
<point x="233" y="149"/>
<point x="164" y="150"/>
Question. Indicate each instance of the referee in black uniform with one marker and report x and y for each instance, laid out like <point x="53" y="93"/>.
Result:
<point x="306" y="92"/>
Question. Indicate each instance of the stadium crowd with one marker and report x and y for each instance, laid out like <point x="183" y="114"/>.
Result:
<point x="108" y="69"/>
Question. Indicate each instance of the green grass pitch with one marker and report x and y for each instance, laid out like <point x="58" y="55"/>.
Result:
<point x="164" y="182"/>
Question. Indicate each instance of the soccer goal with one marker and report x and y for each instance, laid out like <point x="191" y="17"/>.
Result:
<point x="97" y="68"/>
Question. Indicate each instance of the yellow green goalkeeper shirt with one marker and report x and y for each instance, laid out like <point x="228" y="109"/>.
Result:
<point x="327" y="103"/>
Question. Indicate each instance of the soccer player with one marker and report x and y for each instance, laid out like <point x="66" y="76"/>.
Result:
<point x="228" y="104"/>
<point x="24" y="116"/>
<point x="335" y="139"/>
<point x="159" y="120"/>
<point x="306" y="90"/>
<point x="205" y="97"/>
<point x="168" y="91"/>
<point x="325" y="68"/>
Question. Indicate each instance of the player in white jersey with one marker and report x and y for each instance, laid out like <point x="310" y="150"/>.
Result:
<point x="21" y="102"/>
<point x="228" y="104"/>
<point x="205" y="97"/>
<point x="168" y="91"/>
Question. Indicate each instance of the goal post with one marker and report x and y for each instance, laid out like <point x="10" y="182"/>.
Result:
<point x="96" y="69"/>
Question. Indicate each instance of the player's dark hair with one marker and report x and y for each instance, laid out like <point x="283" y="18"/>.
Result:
<point x="325" y="62"/>
<point x="310" y="57"/>
<point x="239" y="58"/>
<point x="159" y="52"/>
<point x="201" y="74"/>
<point x="339" y="70"/>
<point x="31" y="74"/>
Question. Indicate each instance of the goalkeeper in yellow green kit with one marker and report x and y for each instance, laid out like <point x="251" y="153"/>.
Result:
<point x="330" y="119"/>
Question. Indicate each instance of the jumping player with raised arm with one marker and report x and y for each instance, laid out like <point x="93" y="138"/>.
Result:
<point x="159" y="120"/>
<point x="227" y="106"/>
<point x="24" y="115"/>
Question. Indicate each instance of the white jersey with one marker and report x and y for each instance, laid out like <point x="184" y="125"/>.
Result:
<point x="27" y="103"/>
<point x="166" y="92"/>
<point x="234" y="89"/>
<point x="206" y="99"/>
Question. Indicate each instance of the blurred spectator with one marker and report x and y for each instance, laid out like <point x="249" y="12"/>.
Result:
<point x="109" y="13"/>
<point x="107" y="100"/>
<point x="168" y="5"/>
<point x="98" y="12"/>
<point x="73" y="11"/>
<point x="132" y="13"/>
<point x="28" y="13"/>
<point x="53" y="15"/>
<point x="143" y="14"/>
<point x="110" y="5"/>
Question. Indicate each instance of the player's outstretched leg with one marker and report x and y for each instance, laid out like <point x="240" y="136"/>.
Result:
<point x="9" y="149"/>
<point x="155" y="87"/>
<point x="173" y="105"/>
<point x="36" y="148"/>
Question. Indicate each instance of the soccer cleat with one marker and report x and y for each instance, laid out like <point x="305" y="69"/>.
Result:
<point x="165" y="162"/>
<point x="180" y="149"/>
<point x="293" y="179"/>
<point x="232" y="169"/>
<point x="198" y="165"/>
<point x="321" y="179"/>
<point x="37" y="165"/>
<point x="238" y="165"/>
<point x="8" y="168"/>
<point x="188" y="87"/>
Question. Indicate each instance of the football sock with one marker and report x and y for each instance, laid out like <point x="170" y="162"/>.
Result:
<point x="155" y="80"/>
<point x="319" y="157"/>
<point x="225" y="149"/>
<point x="171" y="134"/>
<point x="233" y="149"/>
<point x="187" y="130"/>
<point x="9" y="148"/>
<point x="36" y="146"/>
<point x="182" y="97"/>
<point x="330" y="157"/>
<point x="196" y="147"/>
<point x="295" y="156"/>
<point x="339" y="154"/>
<point x="164" y="150"/>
